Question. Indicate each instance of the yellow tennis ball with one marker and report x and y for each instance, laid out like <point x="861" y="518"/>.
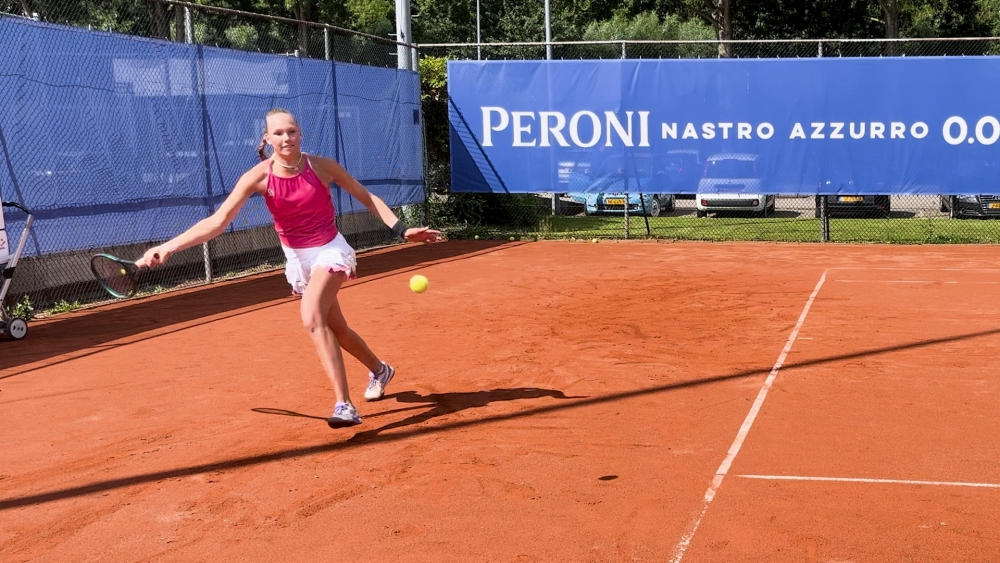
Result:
<point x="418" y="284"/>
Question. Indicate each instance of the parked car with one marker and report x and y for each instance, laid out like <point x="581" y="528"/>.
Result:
<point x="651" y="205"/>
<point x="603" y="189"/>
<point x="964" y="206"/>
<point x="857" y="206"/>
<point x="733" y="182"/>
<point x="975" y="175"/>
<point x="684" y="167"/>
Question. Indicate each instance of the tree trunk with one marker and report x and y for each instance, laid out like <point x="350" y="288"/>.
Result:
<point x="891" y="10"/>
<point x="715" y="13"/>
<point x="303" y="11"/>
<point x="159" y="14"/>
<point x="27" y="9"/>
<point x="178" y="23"/>
<point x="723" y="28"/>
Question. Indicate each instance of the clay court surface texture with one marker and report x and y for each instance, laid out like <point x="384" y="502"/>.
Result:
<point x="554" y="401"/>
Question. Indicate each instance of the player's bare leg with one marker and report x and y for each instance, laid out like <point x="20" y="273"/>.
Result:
<point x="319" y="297"/>
<point x="349" y="340"/>
<point x="379" y="373"/>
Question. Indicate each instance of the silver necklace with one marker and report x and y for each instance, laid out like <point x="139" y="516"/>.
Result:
<point x="295" y="166"/>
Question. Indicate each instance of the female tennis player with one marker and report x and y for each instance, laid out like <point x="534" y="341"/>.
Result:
<point x="295" y="187"/>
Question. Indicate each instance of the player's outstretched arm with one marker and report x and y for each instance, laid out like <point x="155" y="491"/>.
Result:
<point x="330" y="170"/>
<point x="212" y="226"/>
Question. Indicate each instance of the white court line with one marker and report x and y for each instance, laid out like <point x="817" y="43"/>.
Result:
<point x="915" y="281"/>
<point x="861" y="480"/>
<point x="884" y="281"/>
<point x="734" y="449"/>
<point x="917" y="269"/>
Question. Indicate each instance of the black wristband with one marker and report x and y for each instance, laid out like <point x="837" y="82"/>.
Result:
<point x="399" y="229"/>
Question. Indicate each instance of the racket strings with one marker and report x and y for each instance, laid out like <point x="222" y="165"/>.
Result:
<point x="116" y="277"/>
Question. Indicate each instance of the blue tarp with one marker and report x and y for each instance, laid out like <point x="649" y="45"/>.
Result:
<point x="891" y="125"/>
<point x="113" y="139"/>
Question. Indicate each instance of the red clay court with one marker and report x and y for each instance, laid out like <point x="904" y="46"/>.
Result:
<point x="554" y="401"/>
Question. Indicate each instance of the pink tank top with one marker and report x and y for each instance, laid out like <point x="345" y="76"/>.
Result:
<point x="302" y="208"/>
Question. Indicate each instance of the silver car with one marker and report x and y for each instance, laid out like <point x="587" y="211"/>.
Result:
<point x="733" y="182"/>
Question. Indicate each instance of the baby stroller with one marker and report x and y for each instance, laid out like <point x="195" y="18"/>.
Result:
<point x="15" y="327"/>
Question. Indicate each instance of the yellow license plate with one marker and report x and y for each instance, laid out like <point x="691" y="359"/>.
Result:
<point x="851" y="198"/>
<point x="614" y="202"/>
<point x="995" y="205"/>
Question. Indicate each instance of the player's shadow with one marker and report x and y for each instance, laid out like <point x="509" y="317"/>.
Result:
<point x="285" y="412"/>
<point x="441" y="404"/>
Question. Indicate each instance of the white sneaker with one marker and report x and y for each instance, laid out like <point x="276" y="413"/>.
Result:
<point x="378" y="381"/>
<point x="344" y="415"/>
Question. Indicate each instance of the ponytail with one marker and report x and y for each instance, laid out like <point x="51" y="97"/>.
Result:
<point x="260" y="149"/>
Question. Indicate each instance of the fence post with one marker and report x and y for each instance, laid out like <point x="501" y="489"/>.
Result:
<point x="426" y="206"/>
<point x="403" y="35"/>
<point x="206" y="253"/>
<point x="548" y="32"/>
<point x="326" y="43"/>
<point x="623" y="49"/>
<point x="628" y="222"/>
<point x="645" y="213"/>
<point x="188" y="26"/>
<point x="824" y="215"/>
<point x="824" y="219"/>
<point x="548" y="57"/>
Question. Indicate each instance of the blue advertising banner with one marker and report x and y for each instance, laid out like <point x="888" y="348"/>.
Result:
<point x="746" y="126"/>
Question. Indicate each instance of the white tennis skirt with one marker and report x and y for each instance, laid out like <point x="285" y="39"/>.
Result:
<point x="334" y="256"/>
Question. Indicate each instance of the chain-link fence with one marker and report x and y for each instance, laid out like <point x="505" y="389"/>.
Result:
<point x="848" y="218"/>
<point x="747" y="49"/>
<point x="183" y="90"/>
<point x="184" y="22"/>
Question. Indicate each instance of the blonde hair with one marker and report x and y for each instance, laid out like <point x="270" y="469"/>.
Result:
<point x="263" y="139"/>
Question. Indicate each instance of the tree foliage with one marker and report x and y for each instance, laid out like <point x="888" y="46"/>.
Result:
<point x="446" y="21"/>
<point x="647" y="26"/>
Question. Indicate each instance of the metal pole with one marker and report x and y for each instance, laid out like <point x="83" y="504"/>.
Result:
<point x="628" y="222"/>
<point x="548" y="56"/>
<point x="326" y="43"/>
<point x="645" y="212"/>
<point x="206" y="253"/>
<point x="479" y="40"/>
<point x="188" y="26"/>
<point x="403" y="34"/>
<point x="548" y="32"/>
<point x="623" y="49"/>
<point x="824" y="219"/>
<point x="824" y="212"/>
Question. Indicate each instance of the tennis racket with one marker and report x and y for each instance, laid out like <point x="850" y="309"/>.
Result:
<point x="117" y="276"/>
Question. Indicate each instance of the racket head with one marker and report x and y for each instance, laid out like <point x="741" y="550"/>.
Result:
<point x="117" y="276"/>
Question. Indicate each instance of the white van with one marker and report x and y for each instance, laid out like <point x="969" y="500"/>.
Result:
<point x="732" y="182"/>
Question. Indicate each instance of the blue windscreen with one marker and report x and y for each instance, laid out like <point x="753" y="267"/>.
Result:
<point x="112" y="139"/>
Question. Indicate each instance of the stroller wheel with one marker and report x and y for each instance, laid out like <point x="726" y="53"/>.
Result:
<point x="17" y="328"/>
